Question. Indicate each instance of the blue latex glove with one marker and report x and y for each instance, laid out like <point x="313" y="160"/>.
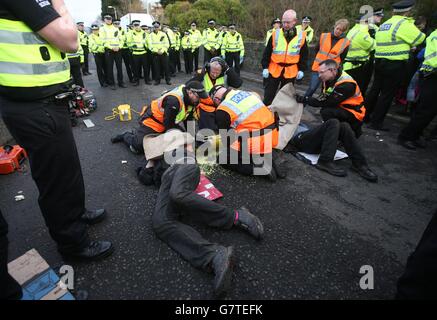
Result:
<point x="266" y="73"/>
<point x="241" y="60"/>
<point x="300" y="75"/>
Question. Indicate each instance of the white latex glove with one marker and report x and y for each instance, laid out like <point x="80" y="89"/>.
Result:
<point x="300" y="75"/>
<point x="266" y="73"/>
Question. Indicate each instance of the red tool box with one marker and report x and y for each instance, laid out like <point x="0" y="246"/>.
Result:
<point x="11" y="158"/>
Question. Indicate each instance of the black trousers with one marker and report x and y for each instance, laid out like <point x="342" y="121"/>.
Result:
<point x="75" y="71"/>
<point x="233" y="60"/>
<point x="419" y="280"/>
<point x="99" y="59"/>
<point x="9" y="287"/>
<point x="388" y="76"/>
<point x="207" y="120"/>
<point x="134" y="139"/>
<point x="324" y="139"/>
<point x="178" y="60"/>
<point x="177" y="198"/>
<point x="150" y="72"/>
<point x="85" y="66"/>
<point x="208" y="55"/>
<point x="172" y="60"/>
<point x="425" y="112"/>
<point x="343" y="116"/>
<point x="368" y="74"/>
<point x="161" y="66"/>
<point x="188" y="61"/>
<point x="43" y="129"/>
<point x="271" y="87"/>
<point x="360" y="76"/>
<point x="127" y="58"/>
<point x="140" y="62"/>
<point x="195" y="61"/>
<point x="110" y="58"/>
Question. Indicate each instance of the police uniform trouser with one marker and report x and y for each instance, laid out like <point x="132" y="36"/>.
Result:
<point x="188" y="61"/>
<point x="233" y="60"/>
<point x="359" y="74"/>
<point x="9" y="287"/>
<point x="195" y="60"/>
<point x="75" y="71"/>
<point x="160" y="64"/>
<point x="99" y="59"/>
<point x="342" y="115"/>
<point x="150" y="70"/>
<point x="110" y="58"/>
<point x="43" y="129"/>
<point x="271" y="87"/>
<point x="419" y="280"/>
<point x="324" y="138"/>
<point x="127" y="58"/>
<point x="177" y="198"/>
<point x="178" y="60"/>
<point x="209" y="55"/>
<point x="139" y="63"/>
<point x="172" y="60"/>
<point x="425" y="112"/>
<point x="85" y="67"/>
<point x="388" y="76"/>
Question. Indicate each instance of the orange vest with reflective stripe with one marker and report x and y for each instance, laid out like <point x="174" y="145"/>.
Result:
<point x="154" y="116"/>
<point x="285" y="55"/>
<point x="326" y="50"/>
<point x="355" y="103"/>
<point x="249" y="114"/>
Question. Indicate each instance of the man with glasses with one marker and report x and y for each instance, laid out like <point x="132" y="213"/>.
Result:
<point x="285" y="56"/>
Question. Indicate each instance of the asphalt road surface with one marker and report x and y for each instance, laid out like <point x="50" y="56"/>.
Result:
<point x="319" y="230"/>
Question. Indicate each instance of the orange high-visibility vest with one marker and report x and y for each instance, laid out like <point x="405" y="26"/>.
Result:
<point x="286" y="55"/>
<point x="355" y="103"/>
<point x="249" y="114"/>
<point x="154" y="116"/>
<point x="326" y="50"/>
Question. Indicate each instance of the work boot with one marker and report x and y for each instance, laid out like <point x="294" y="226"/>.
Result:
<point x="118" y="138"/>
<point x="331" y="168"/>
<point x="277" y="164"/>
<point x="365" y="172"/>
<point x="222" y="265"/>
<point x="250" y="223"/>
<point x="93" y="216"/>
<point x="96" y="250"/>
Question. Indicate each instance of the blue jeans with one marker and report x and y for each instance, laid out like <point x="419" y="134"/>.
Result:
<point x="314" y="84"/>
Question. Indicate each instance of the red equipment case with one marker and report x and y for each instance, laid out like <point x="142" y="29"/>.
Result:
<point x="11" y="158"/>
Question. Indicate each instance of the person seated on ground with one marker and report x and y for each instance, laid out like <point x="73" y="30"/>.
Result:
<point x="341" y="97"/>
<point x="177" y="197"/>
<point x="252" y="131"/>
<point x="216" y="72"/>
<point x="167" y="112"/>
<point x="323" y="139"/>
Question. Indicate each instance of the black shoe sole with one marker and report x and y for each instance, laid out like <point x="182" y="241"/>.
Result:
<point x="96" y="220"/>
<point x="101" y="256"/>
<point x="225" y="281"/>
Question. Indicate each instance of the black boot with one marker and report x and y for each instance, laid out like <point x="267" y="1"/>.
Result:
<point x="278" y="164"/>
<point x="96" y="250"/>
<point x="365" y="172"/>
<point x="331" y="168"/>
<point x="118" y="138"/>
<point x="93" y="216"/>
<point x="250" y="223"/>
<point x="222" y="265"/>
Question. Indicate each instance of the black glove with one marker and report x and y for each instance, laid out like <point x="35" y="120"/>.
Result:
<point x="301" y="99"/>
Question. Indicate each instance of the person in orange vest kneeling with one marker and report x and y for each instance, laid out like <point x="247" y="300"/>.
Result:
<point x="341" y="97"/>
<point x="167" y="112"/>
<point x="249" y="132"/>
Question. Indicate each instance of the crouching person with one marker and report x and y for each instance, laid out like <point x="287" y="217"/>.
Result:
<point x="323" y="139"/>
<point x="177" y="197"/>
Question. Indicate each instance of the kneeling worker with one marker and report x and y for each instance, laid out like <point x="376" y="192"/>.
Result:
<point x="164" y="113"/>
<point x="341" y="99"/>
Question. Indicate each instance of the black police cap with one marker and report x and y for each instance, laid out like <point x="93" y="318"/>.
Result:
<point x="403" y="6"/>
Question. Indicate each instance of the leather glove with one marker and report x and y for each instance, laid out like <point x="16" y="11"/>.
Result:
<point x="301" y="99"/>
<point x="265" y="73"/>
<point x="300" y="75"/>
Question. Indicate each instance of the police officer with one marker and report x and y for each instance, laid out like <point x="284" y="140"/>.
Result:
<point x="137" y="43"/>
<point x="84" y="42"/>
<point x="233" y="48"/>
<point x="306" y="26"/>
<point x="159" y="46"/>
<point x="188" y="52"/>
<point x="281" y="67"/>
<point x="196" y="42"/>
<point x="76" y="59"/>
<point x="177" y="49"/>
<point x="32" y="71"/>
<point x="97" y="48"/>
<point x="172" y="50"/>
<point x="113" y="44"/>
<point x="212" y="41"/>
<point x="394" y="40"/>
<point x="276" y="24"/>
<point x="125" y="51"/>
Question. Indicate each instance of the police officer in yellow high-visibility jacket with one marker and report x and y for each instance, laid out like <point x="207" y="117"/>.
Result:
<point x="305" y="26"/>
<point x="177" y="35"/>
<point x="97" y="48"/>
<point x="159" y="45"/>
<point x="357" y="60"/>
<point x="84" y="42"/>
<point x="188" y="52"/>
<point x="233" y="48"/>
<point x="125" y="51"/>
<point x="276" y="24"/>
<point x="76" y="59"/>
<point x="196" y="41"/>
<point x="33" y="70"/>
<point x="172" y="49"/>
<point x="211" y="41"/>
<point x="394" y="40"/>
<point x="113" y="43"/>
<point x="137" y="43"/>
<point x="426" y="109"/>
